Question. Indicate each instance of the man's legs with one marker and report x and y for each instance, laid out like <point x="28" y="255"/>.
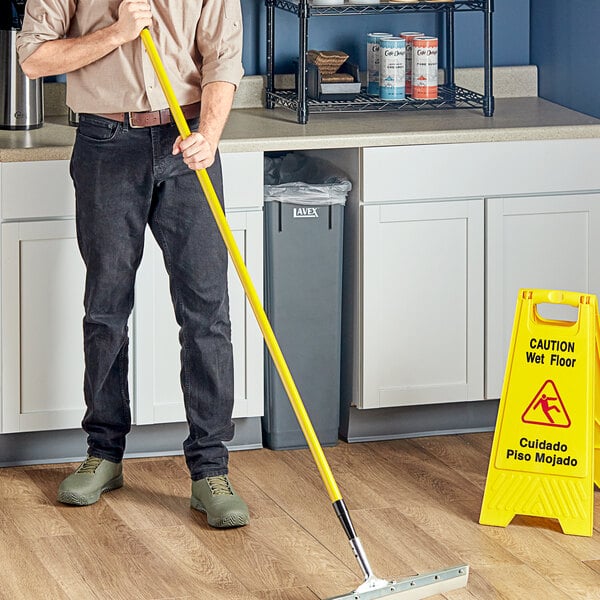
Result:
<point x="125" y="178"/>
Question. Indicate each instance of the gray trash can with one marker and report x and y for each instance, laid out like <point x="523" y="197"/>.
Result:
<point x="304" y="222"/>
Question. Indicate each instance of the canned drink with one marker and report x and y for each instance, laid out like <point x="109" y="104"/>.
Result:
<point x="409" y="36"/>
<point x="373" y="62"/>
<point x="392" y="55"/>
<point x="425" y="68"/>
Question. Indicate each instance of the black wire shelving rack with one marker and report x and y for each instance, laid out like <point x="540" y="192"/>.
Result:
<point x="450" y="96"/>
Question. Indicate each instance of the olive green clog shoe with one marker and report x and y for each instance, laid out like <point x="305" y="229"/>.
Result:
<point x="91" y="479"/>
<point x="216" y="497"/>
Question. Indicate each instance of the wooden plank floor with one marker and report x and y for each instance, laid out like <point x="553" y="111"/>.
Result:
<point x="415" y="504"/>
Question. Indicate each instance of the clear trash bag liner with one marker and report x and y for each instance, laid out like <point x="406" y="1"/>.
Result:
<point x="298" y="179"/>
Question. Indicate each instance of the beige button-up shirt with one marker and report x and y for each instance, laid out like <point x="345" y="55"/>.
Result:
<point x="199" y="41"/>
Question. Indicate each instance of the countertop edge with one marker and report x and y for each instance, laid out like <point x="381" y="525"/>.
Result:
<point x="412" y="138"/>
<point x="266" y="144"/>
<point x="260" y="130"/>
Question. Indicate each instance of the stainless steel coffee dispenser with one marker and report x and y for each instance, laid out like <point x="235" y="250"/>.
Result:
<point x="21" y="98"/>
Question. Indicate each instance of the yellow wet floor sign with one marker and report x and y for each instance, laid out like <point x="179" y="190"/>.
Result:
<point x="597" y="410"/>
<point x="542" y="460"/>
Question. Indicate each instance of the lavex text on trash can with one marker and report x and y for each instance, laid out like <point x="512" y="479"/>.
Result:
<point x="373" y="62"/>
<point x="392" y="51"/>
<point x="425" y="68"/>
<point x="409" y="36"/>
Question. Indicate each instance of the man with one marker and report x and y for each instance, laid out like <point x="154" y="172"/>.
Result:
<point x="130" y="169"/>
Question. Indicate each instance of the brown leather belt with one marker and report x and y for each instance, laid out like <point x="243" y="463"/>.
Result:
<point x="154" y="117"/>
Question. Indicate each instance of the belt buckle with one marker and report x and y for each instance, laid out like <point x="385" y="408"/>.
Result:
<point x="131" y="125"/>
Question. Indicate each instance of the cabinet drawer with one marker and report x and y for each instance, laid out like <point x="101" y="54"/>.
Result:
<point x="43" y="189"/>
<point x="479" y="170"/>
<point x="38" y="189"/>
<point x="243" y="179"/>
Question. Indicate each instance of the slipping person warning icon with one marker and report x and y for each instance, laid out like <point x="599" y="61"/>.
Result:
<point x="545" y="403"/>
<point x="547" y="408"/>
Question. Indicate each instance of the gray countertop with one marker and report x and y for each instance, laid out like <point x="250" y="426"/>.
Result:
<point x="259" y="129"/>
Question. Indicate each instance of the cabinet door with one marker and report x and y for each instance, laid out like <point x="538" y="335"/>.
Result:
<point x="544" y="242"/>
<point x="422" y="303"/>
<point x="157" y="363"/>
<point x="42" y="341"/>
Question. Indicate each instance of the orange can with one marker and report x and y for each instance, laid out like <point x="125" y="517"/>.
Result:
<point x="425" y="68"/>
<point x="409" y="36"/>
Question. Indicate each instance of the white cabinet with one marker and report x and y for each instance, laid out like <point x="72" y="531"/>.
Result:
<point x="43" y="280"/>
<point x="156" y="338"/>
<point x="420" y="250"/>
<point x="438" y="240"/>
<point x="42" y="299"/>
<point x="157" y="362"/>
<point x="42" y="341"/>
<point x="545" y="242"/>
<point x="422" y="303"/>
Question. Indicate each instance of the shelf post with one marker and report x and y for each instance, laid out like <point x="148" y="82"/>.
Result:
<point x="449" y="81"/>
<point x="302" y="48"/>
<point x="270" y="4"/>
<point x="488" y="64"/>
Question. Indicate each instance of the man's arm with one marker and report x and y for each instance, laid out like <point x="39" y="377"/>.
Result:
<point x="69" y="54"/>
<point x="200" y="147"/>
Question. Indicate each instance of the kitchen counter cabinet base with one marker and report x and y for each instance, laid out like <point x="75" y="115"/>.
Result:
<point x="534" y="208"/>
<point x="43" y="279"/>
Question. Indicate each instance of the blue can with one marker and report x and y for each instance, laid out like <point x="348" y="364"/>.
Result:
<point x="373" y="62"/>
<point x="392" y="68"/>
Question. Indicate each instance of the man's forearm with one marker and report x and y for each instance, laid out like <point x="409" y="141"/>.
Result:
<point x="69" y="54"/>
<point x="217" y="99"/>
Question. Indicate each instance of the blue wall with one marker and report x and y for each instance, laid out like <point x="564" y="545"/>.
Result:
<point x="348" y="33"/>
<point x="565" y="48"/>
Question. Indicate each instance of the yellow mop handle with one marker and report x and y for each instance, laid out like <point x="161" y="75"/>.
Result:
<point x="240" y="267"/>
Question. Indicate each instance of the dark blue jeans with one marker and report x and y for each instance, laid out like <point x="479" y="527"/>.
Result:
<point x="125" y="179"/>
